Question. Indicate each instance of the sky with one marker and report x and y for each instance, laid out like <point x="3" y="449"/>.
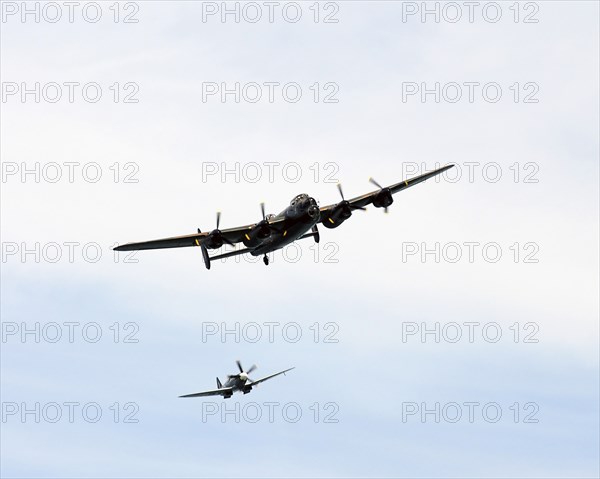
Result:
<point x="456" y="336"/>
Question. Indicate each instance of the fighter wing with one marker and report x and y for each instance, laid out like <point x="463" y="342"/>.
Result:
<point x="233" y="235"/>
<point x="364" y="200"/>
<point x="214" y="392"/>
<point x="254" y="383"/>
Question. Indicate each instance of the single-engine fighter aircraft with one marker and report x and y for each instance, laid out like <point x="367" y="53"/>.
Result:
<point x="293" y="223"/>
<point x="235" y="382"/>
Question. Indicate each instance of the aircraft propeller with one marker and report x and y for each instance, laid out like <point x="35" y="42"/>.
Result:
<point x="242" y="372"/>
<point x="263" y="227"/>
<point x="215" y="238"/>
<point x="384" y="194"/>
<point x="345" y="205"/>
<point x="262" y="210"/>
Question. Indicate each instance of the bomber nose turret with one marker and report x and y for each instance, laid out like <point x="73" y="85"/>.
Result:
<point x="313" y="211"/>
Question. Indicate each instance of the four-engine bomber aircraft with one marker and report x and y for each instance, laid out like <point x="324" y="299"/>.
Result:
<point x="235" y="382"/>
<point x="293" y="223"/>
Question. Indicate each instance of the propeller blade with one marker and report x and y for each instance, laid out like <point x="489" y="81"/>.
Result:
<point x="252" y="368"/>
<point x="385" y="210"/>
<point x="375" y="183"/>
<point x="218" y="219"/>
<point x="225" y="240"/>
<point x="262" y="210"/>
<point x="199" y="230"/>
<point x="339" y="187"/>
<point x="239" y="365"/>
<point x="358" y="208"/>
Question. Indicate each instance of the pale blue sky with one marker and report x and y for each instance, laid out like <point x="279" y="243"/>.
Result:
<point x="368" y="293"/>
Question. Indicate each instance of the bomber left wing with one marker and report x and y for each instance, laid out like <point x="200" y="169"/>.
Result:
<point x="231" y="235"/>
<point x="214" y="392"/>
<point x="381" y="197"/>
<point x="258" y="381"/>
<point x="174" y="242"/>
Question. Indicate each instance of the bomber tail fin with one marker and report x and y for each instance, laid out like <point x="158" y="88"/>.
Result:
<point x="219" y="385"/>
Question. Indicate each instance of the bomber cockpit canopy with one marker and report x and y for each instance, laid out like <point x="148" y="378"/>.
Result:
<point x="298" y="199"/>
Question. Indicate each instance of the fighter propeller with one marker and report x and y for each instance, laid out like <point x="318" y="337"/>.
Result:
<point x="242" y="374"/>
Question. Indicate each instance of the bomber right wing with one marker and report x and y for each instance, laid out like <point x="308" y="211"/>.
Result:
<point x="361" y="201"/>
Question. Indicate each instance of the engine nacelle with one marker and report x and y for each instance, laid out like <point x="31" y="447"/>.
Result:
<point x="338" y="215"/>
<point x="247" y="389"/>
<point x="254" y="236"/>
<point x="383" y="199"/>
<point x="214" y="240"/>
